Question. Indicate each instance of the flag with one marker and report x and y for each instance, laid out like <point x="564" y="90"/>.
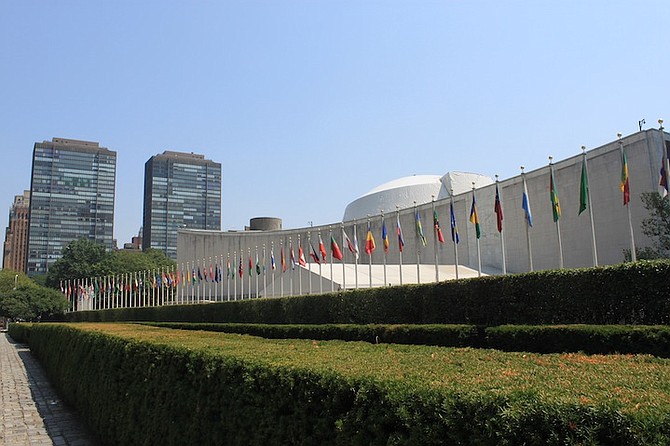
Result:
<point x="301" y="256"/>
<point x="258" y="265"/>
<point x="240" y="269"/>
<point x="199" y="274"/>
<point x="454" y="228"/>
<point x="352" y="248"/>
<point x="583" y="189"/>
<point x="474" y="218"/>
<point x="555" y="205"/>
<point x="385" y="237"/>
<point x="283" y="260"/>
<point x="664" y="175"/>
<point x="251" y="265"/>
<point x="369" y="242"/>
<point x="497" y="208"/>
<point x="419" y="229"/>
<point x="322" y="249"/>
<point x="356" y="243"/>
<point x="229" y="270"/>
<point x="313" y="253"/>
<point x="292" y="254"/>
<point x="335" y="249"/>
<point x="438" y="230"/>
<point x="625" y="182"/>
<point x="273" y="266"/>
<point x="525" y="205"/>
<point x="398" y="231"/>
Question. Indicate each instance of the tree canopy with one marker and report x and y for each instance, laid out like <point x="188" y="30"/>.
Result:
<point x="83" y="259"/>
<point x="656" y="226"/>
<point x="23" y="299"/>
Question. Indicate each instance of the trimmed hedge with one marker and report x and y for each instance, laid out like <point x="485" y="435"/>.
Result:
<point x="631" y="293"/>
<point x="168" y="388"/>
<point x="591" y="339"/>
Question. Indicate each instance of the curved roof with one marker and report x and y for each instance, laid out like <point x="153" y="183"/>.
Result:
<point x="404" y="192"/>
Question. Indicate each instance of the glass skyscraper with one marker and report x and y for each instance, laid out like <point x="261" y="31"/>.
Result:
<point x="181" y="190"/>
<point x="71" y="197"/>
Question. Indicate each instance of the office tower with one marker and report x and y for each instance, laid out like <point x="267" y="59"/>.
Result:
<point x="71" y="197"/>
<point x="16" y="235"/>
<point x="181" y="190"/>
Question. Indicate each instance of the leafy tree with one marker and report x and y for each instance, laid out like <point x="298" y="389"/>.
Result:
<point x="84" y="258"/>
<point x="22" y="299"/>
<point x="657" y="226"/>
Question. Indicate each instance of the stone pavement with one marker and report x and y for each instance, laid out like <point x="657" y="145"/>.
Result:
<point x="30" y="411"/>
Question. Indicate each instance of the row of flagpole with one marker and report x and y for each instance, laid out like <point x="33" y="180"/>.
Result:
<point x="196" y="282"/>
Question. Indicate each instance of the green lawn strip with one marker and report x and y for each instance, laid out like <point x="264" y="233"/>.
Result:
<point x="594" y="339"/>
<point x="631" y="384"/>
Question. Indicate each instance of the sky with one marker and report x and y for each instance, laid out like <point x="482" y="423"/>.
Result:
<point x="310" y="104"/>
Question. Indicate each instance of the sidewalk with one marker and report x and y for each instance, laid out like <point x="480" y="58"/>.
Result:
<point x="30" y="411"/>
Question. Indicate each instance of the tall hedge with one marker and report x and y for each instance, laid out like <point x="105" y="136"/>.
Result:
<point x="630" y="293"/>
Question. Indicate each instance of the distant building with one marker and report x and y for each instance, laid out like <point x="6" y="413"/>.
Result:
<point x="16" y="235"/>
<point x="135" y="243"/>
<point x="71" y="197"/>
<point x="181" y="190"/>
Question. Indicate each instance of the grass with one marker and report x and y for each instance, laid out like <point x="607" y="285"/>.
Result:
<point x="631" y="384"/>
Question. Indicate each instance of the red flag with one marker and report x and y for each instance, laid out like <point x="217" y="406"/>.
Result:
<point x="335" y="249"/>
<point x="322" y="249"/>
<point x="313" y="254"/>
<point x="498" y="210"/>
<point x="369" y="242"/>
<point x="301" y="257"/>
<point x="283" y="260"/>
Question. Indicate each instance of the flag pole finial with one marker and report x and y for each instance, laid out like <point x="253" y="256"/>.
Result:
<point x="551" y="158"/>
<point x="660" y="122"/>
<point x="584" y="150"/>
<point x="619" y="135"/>
<point x="496" y="175"/>
<point x="522" y="169"/>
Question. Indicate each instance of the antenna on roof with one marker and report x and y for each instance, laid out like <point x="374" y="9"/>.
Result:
<point x="640" y="123"/>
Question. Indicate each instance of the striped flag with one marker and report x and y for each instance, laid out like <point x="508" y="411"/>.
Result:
<point x="272" y="260"/>
<point x="625" y="182"/>
<point x="525" y="205"/>
<point x="337" y="253"/>
<point x="553" y="196"/>
<point x="369" y="241"/>
<point x="398" y="231"/>
<point x="419" y="228"/>
<point x="454" y="227"/>
<point x="438" y="230"/>
<point x="292" y="256"/>
<point x="283" y="260"/>
<point x="497" y="208"/>
<point x="301" y="257"/>
<point x="322" y="249"/>
<point x="385" y="237"/>
<point x="351" y="246"/>
<point x="474" y="218"/>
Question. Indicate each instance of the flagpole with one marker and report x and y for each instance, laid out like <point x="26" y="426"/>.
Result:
<point x="370" y="254"/>
<point x="250" y="273"/>
<point x="418" y="250"/>
<point x="320" y="267"/>
<point x="273" y="266"/>
<point x="356" y="254"/>
<point x="399" y="231"/>
<point x="633" y="254"/>
<point x="257" y="272"/>
<point x="479" y="252"/>
<point x="454" y="232"/>
<point x="265" y="274"/>
<point x="332" y="281"/>
<point x="384" y="237"/>
<point x="590" y="206"/>
<point x="528" y="222"/>
<point x="556" y="212"/>
<point x="437" y="269"/>
<point x="344" y="278"/>
<point x="502" y="237"/>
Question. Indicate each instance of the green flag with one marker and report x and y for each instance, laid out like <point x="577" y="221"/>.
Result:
<point x="583" y="189"/>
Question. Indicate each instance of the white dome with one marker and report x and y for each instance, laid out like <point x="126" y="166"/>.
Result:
<point x="404" y="192"/>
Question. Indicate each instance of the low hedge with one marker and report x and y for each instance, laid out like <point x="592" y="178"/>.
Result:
<point x="591" y="339"/>
<point x="139" y="385"/>
<point x="630" y="293"/>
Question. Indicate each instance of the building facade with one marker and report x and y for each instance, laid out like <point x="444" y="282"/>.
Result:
<point x="181" y="190"/>
<point x="599" y="235"/>
<point x="71" y="197"/>
<point x="16" y="235"/>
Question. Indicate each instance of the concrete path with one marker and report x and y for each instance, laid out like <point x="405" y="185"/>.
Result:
<point x="30" y="411"/>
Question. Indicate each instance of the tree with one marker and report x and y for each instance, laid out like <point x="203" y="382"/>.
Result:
<point x="86" y="259"/>
<point x="657" y="226"/>
<point x="22" y="299"/>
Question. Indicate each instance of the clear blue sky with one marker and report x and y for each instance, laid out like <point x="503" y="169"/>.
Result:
<point x="310" y="104"/>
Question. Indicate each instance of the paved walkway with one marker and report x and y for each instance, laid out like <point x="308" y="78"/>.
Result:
<point x="30" y="411"/>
